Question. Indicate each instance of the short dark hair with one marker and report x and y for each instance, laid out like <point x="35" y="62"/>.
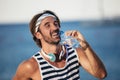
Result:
<point x="33" y="21"/>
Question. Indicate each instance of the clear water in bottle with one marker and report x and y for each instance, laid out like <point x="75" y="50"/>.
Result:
<point x="68" y="40"/>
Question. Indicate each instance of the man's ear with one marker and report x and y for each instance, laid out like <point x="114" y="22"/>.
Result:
<point x="38" y="35"/>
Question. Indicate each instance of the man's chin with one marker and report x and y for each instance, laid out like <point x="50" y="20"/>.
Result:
<point x="57" y="39"/>
<point x="57" y="42"/>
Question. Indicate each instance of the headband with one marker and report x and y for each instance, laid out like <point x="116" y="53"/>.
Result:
<point x="38" y="22"/>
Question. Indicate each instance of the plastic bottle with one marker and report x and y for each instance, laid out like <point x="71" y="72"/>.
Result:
<point x="68" y="40"/>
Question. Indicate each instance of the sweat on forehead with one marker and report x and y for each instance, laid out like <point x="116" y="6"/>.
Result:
<point x="38" y="22"/>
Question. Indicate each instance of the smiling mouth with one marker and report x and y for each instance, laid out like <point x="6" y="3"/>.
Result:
<point x="55" y="35"/>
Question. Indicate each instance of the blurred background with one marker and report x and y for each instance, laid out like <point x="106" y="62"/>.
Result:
<point x="97" y="20"/>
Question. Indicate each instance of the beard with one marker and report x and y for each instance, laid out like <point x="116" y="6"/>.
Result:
<point x="54" y="37"/>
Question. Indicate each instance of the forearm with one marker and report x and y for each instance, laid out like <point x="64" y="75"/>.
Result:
<point x="96" y="64"/>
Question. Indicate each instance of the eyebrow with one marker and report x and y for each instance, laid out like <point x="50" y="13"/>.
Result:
<point x="49" y="22"/>
<point x="46" y="23"/>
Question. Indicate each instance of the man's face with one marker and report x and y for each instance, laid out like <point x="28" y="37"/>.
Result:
<point x="49" y="29"/>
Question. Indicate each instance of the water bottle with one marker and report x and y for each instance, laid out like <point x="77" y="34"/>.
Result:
<point x="68" y="40"/>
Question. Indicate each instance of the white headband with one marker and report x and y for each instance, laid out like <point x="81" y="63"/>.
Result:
<point x="41" y="18"/>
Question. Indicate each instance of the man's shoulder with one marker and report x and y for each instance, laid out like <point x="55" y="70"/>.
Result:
<point x="29" y="65"/>
<point x="26" y="69"/>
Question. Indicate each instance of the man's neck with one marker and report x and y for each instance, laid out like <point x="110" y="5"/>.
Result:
<point x="51" y="48"/>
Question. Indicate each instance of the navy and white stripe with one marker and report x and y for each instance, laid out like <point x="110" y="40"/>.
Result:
<point x="69" y="72"/>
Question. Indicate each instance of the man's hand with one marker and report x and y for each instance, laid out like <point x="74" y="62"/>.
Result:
<point x="77" y="35"/>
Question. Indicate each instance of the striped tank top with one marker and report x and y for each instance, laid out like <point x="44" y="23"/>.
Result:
<point x="69" y="72"/>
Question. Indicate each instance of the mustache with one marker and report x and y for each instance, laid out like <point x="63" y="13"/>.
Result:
<point x="55" y="31"/>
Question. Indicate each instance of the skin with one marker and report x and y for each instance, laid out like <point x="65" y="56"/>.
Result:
<point x="29" y="70"/>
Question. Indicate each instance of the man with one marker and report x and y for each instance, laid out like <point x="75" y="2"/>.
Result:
<point x="57" y="61"/>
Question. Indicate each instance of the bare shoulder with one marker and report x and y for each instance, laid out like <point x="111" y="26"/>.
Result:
<point x="28" y="65"/>
<point x="26" y="69"/>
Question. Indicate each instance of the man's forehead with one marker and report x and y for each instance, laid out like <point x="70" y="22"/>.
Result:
<point x="49" y="19"/>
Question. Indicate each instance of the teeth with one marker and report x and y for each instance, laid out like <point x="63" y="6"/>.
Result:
<point x="55" y="34"/>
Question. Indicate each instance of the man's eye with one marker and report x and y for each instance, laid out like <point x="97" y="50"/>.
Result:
<point x="56" y="24"/>
<point x="48" y="25"/>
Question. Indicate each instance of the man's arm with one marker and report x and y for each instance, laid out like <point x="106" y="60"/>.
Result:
<point x="91" y="62"/>
<point x="87" y="57"/>
<point x="24" y="71"/>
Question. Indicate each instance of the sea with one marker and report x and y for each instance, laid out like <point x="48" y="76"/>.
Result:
<point x="17" y="45"/>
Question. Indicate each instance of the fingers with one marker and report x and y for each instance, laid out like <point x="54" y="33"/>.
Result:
<point x="75" y="34"/>
<point x="72" y="33"/>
